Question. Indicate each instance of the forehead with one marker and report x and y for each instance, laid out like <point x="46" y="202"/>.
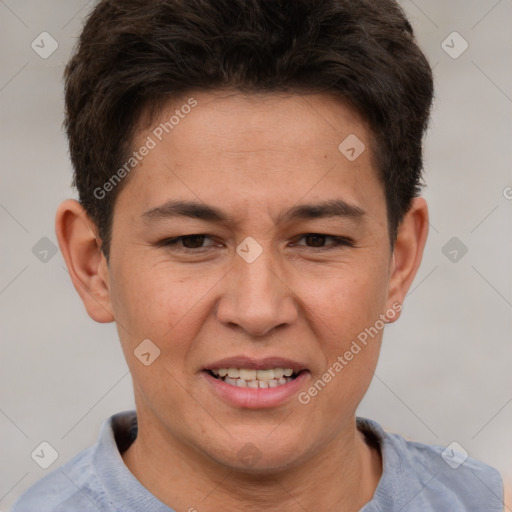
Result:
<point x="252" y="152"/>
<point x="292" y="117"/>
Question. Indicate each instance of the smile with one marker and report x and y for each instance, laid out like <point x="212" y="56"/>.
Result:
<point x="250" y="378"/>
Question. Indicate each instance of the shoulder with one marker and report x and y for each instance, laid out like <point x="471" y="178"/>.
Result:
<point x="433" y="478"/>
<point x="87" y="481"/>
<point x="73" y="486"/>
<point x="460" y="481"/>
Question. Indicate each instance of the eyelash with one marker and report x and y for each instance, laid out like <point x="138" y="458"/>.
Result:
<point x="337" y="242"/>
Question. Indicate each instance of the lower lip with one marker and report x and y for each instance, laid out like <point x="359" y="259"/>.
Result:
<point x="256" y="398"/>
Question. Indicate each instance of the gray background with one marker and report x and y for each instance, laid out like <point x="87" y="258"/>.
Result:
<point x="444" y="373"/>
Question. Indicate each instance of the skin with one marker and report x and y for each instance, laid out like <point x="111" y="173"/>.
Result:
<point x="254" y="158"/>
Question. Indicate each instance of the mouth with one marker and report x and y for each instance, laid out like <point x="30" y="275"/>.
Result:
<point x="255" y="379"/>
<point x="245" y="382"/>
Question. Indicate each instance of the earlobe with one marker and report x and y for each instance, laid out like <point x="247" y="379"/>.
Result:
<point x="408" y="251"/>
<point x="78" y="242"/>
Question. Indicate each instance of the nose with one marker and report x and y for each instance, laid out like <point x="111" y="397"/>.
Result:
<point x="257" y="297"/>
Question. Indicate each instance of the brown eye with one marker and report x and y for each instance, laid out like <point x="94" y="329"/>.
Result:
<point x="186" y="242"/>
<point x="193" y="241"/>
<point x="315" y="240"/>
<point x="319" y="241"/>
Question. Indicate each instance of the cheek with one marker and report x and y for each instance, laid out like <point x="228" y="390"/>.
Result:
<point x="356" y="303"/>
<point x="162" y="303"/>
<point x="345" y="302"/>
<point x="346" y="313"/>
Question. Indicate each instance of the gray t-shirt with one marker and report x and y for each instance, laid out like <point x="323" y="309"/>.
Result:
<point x="415" y="478"/>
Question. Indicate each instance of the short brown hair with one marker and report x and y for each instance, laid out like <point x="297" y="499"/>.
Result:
<point x="134" y="55"/>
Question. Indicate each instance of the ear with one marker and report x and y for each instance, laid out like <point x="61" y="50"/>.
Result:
<point x="81" y="248"/>
<point x="407" y="252"/>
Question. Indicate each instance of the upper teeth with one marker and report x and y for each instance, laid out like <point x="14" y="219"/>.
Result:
<point x="246" y="374"/>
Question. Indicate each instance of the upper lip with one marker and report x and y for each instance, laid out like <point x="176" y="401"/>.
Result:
<point x="251" y="363"/>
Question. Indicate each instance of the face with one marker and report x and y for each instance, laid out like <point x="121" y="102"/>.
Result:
<point x="247" y="241"/>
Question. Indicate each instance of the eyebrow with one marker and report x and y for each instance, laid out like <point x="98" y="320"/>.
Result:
<point x="195" y="210"/>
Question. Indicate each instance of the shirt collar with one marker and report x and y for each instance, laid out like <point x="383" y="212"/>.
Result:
<point x="123" y="491"/>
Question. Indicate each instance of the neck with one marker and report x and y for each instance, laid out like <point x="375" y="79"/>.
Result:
<point x="342" y="476"/>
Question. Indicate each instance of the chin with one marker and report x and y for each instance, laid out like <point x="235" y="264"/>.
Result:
<point x="260" y="455"/>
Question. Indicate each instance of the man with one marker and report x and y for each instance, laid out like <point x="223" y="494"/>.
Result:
<point x="249" y="216"/>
